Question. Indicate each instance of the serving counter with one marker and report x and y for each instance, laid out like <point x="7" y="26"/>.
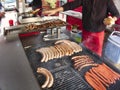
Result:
<point x="15" y="71"/>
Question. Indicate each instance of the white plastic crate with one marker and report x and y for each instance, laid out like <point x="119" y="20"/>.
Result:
<point x="112" y="48"/>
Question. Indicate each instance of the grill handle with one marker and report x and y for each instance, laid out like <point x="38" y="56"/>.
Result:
<point x="115" y="33"/>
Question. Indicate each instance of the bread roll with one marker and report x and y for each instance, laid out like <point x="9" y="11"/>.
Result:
<point x="109" y="21"/>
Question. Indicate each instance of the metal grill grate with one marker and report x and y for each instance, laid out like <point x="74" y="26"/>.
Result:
<point x="66" y="77"/>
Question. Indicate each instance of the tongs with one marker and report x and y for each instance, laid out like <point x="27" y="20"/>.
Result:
<point x="35" y="11"/>
<point x="31" y="12"/>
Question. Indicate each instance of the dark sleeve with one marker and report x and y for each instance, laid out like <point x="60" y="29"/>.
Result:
<point x="72" y="5"/>
<point x="112" y="8"/>
<point x="0" y="4"/>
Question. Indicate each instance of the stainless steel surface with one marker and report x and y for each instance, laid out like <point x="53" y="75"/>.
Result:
<point x="15" y="27"/>
<point x="23" y="5"/>
<point x="29" y="20"/>
<point x="13" y="30"/>
<point x="73" y="14"/>
<point x="55" y="37"/>
<point x="52" y="32"/>
<point x="55" y="34"/>
<point x="32" y="27"/>
<point x="58" y="32"/>
<point x="36" y="19"/>
<point x="15" y="70"/>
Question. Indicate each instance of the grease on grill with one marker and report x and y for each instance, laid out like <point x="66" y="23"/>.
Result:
<point x="68" y="79"/>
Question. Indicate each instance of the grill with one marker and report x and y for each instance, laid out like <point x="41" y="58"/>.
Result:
<point x="68" y="79"/>
<point x="65" y="76"/>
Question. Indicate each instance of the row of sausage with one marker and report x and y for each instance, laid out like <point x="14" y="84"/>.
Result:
<point x="100" y="76"/>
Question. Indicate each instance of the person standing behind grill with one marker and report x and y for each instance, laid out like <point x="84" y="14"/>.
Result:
<point x="36" y="4"/>
<point x="94" y="20"/>
<point x="1" y="11"/>
<point x="2" y="14"/>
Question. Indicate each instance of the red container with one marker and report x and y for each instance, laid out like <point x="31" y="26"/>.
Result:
<point x="10" y="22"/>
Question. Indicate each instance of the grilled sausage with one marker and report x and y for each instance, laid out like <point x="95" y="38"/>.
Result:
<point x="62" y="41"/>
<point x="99" y="86"/>
<point x="42" y="71"/>
<point x="114" y="73"/>
<point x="104" y="79"/>
<point x="56" y="52"/>
<point x="92" y="82"/>
<point x="81" y="57"/>
<point x="99" y="78"/>
<point x="86" y="66"/>
<point x="50" y="53"/>
<point x="51" y="78"/>
<point x="42" y="51"/>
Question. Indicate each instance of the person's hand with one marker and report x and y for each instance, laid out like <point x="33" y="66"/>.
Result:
<point x="52" y="12"/>
<point x="109" y="20"/>
<point x="2" y="14"/>
<point x="49" y="13"/>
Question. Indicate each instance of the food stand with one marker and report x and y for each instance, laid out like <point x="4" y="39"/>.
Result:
<point x="21" y="60"/>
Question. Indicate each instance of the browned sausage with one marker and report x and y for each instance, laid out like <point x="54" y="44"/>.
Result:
<point x="39" y="70"/>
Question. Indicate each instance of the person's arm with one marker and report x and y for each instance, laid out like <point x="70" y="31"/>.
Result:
<point x="2" y="14"/>
<point x="67" y="6"/>
<point x="52" y="12"/>
<point x="112" y="9"/>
